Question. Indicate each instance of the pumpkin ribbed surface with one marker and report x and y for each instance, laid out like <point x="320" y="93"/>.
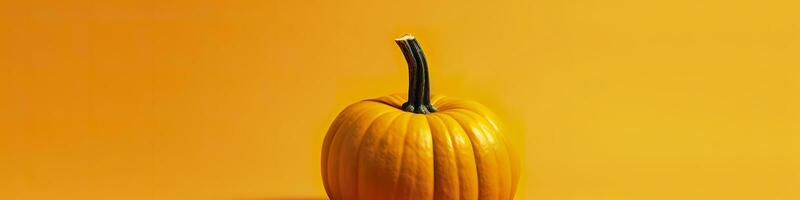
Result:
<point x="374" y="150"/>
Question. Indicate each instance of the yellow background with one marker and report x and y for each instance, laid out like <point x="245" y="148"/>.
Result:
<point x="611" y="99"/>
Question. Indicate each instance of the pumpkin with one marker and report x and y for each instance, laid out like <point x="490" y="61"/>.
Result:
<point x="417" y="146"/>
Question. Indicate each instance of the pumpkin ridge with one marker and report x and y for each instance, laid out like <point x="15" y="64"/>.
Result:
<point x="510" y="152"/>
<point x="337" y="172"/>
<point x="455" y="157"/>
<point x="426" y="126"/>
<point x="377" y="141"/>
<point x="477" y="158"/>
<point x="402" y="157"/>
<point x="326" y="145"/>
<point x="361" y="143"/>
<point x="481" y="120"/>
<point x="335" y="147"/>
<point x="435" y="99"/>
<point x="397" y="101"/>
<point x="385" y="103"/>
<point x="327" y="142"/>
<point x="444" y="128"/>
<point x="442" y="102"/>
<point x="484" y="165"/>
<point x="399" y="163"/>
<point x="466" y="162"/>
<point x="390" y="100"/>
<point x="433" y="149"/>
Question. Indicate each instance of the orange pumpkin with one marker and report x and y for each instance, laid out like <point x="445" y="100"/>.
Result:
<point x="418" y="147"/>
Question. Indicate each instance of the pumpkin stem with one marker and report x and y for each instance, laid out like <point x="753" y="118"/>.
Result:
<point x="419" y="87"/>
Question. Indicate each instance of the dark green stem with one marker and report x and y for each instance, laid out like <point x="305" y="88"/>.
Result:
<point x="419" y="88"/>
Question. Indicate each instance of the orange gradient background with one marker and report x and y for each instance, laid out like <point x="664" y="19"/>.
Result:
<point x="617" y="99"/>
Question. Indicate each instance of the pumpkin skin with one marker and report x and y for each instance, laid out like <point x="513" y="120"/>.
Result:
<point x="376" y="150"/>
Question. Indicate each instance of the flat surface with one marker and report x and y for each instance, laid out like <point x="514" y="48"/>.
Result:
<point x="612" y="99"/>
